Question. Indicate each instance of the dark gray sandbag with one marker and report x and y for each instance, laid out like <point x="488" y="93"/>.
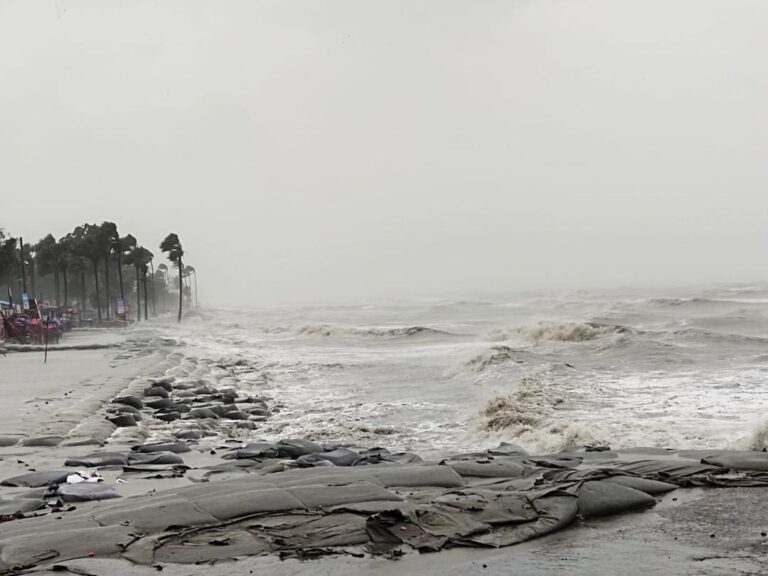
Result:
<point x="370" y="458"/>
<point x="99" y="459"/>
<point x="129" y="401"/>
<point x="245" y="502"/>
<point x="189" y="435"/>
<point x="600" y="498"/>
<point x="220" y="409"/>
<point x="37" y="479"/>
<point x="330" y="475"/>
<point x="652" y="487"/>
<point x="442" y="521"/>
<point x="164" y="381"/>
<point x="155" y="514"/>
<point x="318" y="496"/>
<point x="175" y="447"/>
<point x="375" y="507"/>
<point x="497" y="468"/>
<point x="313" y="461"/>
<point x="338" y="457"/>
<point x="412" y="476"/>
<point x="160" y="404"/>
<point x="231" y="486"/>
<point x="156" y="391"/>
<point x="125" y="409"/>
<point x="236" y="415"/>
<point x="312" y="531"/>
<point x="167" y="416"/>
<point x="555" y="512"/>
<point x="45" y="441"/>
<point x="57" y="541"/>
<point x="226" y="393"/>
<point x="387" y="475"/>
<point x="86" y="492"/>
<point x="122" y="420"/>
<point x="154" y="471"/>
<point x="555" y="461"/>
<point x="672" y="468"/>
<point x="253" y="400"/>
<point x="201" y="413"/>
<point x="154" y="458"/>
<point x="20" y="506"/>
<point x="487" y="506"/>
<point x="244" y="424"/>
<point x="206" y="547"/>
<point x="256" y="450"/>
<point x="296" y="447"/>
<point x="393" y="527"/>
<point x="257" y="411"/>
<point x="738" y="460"/>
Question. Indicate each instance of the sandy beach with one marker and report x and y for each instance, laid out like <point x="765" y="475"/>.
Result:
<point x="56" y="411"/>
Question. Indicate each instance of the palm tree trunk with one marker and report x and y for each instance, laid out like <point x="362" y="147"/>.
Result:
<point x="83" y="294"/>
<point x="106" y="285"/>
<point x="138" y="297"/>
<point x="197" y="302"/>
<point x="120" y="277"/>
<point x="152" y="282"/>
<point x="56" y="286"/>
<point x="146" y="303"/>
<point x="181" y="288"/>
<point x="66" y="291"/>
<point x="96" y="281"/>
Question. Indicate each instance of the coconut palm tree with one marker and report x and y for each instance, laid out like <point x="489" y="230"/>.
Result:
<point x="107" y="234"/>
<point x="7" y="255"/>
<point x="147" y="261"/>
<point x="88" y="243"/>
<point x="63" y="260"/>
<point x="172" y="247"/>
<point x="121" y="247"/>
<point x="28" y="263"/>
<point x="190" y="270"/>
<point x="47" y="259"/>
<point x="152" y="283"/>
<point x="139" y="258"/>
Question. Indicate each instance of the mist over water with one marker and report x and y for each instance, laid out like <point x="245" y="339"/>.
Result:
<point x="308" y="151"/>
<point x="547" y="372"/>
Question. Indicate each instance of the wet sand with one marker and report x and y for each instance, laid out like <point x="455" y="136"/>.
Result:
<point x="56" y="411"/>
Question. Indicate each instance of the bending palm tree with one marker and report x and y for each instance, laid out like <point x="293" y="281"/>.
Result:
<point x="172" y="247"/>
<point x="139" y="257"/>
<point x="121" y="247"/>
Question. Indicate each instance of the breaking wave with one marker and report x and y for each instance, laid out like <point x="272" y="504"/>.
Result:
<point x="559" y="332"/>
<point x="759" y="437"/>
<point x="697" y="334"/>
<point x="326" y="330"/>
<point x="493" y="357"/>
<point x="529" y="415"/>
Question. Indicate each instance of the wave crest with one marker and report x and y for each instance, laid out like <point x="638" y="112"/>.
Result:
<point x="326" y="330"/>
<point x="493" y="357"/>
<point x="559" y="332"/>
<point x="528" y="416"/>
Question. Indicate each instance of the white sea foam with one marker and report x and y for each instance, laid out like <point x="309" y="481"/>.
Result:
<point x="624" y="371"/>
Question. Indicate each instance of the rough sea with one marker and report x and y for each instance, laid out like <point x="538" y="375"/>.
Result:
<point x="685" y="368"/>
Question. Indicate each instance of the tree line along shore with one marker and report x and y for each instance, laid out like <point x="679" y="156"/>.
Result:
<point x="93" y="274"/>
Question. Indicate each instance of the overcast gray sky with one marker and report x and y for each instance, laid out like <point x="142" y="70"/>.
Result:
<point x="347" y="149"/>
